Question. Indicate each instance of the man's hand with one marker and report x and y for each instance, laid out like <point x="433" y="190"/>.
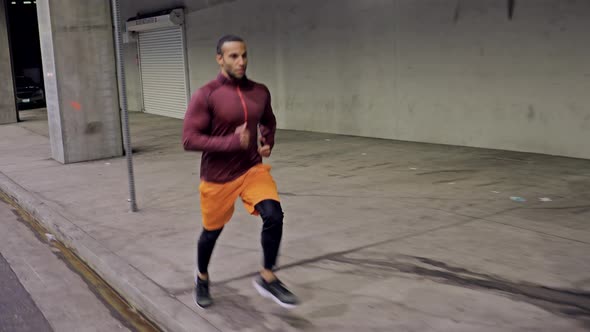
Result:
<point x="244" y="135"/>
<point x="264" y="149"/>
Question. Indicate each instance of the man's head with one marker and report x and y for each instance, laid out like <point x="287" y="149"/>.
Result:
<point x="232" y="56"/>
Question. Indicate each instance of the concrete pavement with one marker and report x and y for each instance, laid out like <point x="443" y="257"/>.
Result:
<point x="379" y="236"/>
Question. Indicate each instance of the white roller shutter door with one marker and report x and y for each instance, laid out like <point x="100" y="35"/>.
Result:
<point x="163" y="72"/>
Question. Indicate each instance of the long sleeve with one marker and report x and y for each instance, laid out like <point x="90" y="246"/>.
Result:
<point x="268" y="123"/>
<point x="196" y="128"/>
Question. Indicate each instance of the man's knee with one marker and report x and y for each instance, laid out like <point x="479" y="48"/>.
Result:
<point x="271" y="213"/>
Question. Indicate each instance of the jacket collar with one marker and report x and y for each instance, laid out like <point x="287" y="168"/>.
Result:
<point x="244" y="82"/>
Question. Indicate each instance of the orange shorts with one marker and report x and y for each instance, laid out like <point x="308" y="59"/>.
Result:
<point x="218" y="199"/>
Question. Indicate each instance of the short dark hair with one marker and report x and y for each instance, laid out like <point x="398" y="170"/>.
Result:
<point x="225" y="39"/>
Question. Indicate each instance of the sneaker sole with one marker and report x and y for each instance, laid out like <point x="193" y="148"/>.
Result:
<point x="268" y="295"/>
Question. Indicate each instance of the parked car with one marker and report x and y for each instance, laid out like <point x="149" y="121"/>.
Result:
<point x="28" y="93"/>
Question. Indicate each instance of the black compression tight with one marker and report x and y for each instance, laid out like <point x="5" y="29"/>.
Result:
<point x="205" y="248"/>
<point x="272" y="230"/>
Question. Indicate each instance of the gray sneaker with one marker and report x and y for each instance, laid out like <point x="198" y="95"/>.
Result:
<point x="276" y="291"/>
<point x="201" y="293"/>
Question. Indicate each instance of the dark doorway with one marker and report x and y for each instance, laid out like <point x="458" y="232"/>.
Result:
<point x="23" y="30"/>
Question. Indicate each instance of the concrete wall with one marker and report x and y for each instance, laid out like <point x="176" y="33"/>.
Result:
<point x="80" y="79"/>
<point x="439" y="71"/>
<point x="7" y="101"/>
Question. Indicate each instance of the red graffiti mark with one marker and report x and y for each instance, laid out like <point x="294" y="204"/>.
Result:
<point x="76" y="105"/>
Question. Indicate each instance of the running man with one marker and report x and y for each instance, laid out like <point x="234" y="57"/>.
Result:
<point x="223" y="120"/>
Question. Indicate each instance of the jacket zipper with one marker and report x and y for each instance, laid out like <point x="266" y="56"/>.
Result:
<point x="244" y="107"/>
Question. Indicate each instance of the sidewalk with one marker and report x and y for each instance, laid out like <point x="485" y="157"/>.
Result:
<point x="379" y="235"/>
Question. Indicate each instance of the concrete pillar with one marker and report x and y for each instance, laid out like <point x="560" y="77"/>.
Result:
<point x="7" y="101"/>
<point x="80" y="79"/>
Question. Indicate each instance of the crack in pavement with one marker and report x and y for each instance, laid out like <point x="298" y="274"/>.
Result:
<point x="449" y="171"/>
<point x="565" y="302"/>
<point x="344" y="252"/>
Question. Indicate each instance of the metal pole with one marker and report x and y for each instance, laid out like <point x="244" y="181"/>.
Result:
<point x="123" y="94"/>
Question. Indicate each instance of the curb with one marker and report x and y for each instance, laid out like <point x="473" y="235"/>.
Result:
<point x="141" y="292"/>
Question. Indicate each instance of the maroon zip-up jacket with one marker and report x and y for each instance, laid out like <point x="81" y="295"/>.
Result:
<point x="214" y="113"/>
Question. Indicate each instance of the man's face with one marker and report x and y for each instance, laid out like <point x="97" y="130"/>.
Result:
<point x="234" y="59"/>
